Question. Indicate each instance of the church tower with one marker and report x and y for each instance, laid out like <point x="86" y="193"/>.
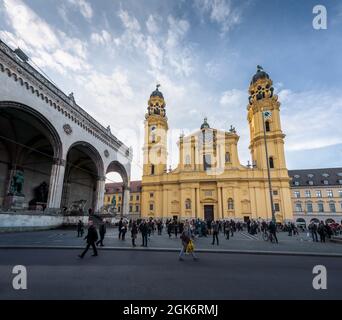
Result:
<point x="264" y="116"/>
<point x="156" y="127"/>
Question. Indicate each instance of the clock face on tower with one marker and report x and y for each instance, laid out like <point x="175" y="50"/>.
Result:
<point x="153" y="128"/>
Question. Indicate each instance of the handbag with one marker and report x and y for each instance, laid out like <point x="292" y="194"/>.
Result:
<point x="190" y="247"/>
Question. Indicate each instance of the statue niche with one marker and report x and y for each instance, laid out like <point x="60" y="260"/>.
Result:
<point x="41" y="194"/>
<point x="17" y="183"/>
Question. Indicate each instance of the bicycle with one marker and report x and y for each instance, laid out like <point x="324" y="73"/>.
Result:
<point x="267" y="236"/>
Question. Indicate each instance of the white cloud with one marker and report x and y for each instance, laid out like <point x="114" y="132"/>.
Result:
<point x="311" y="119"/>
<point x="102" y="38"/>
<point x="84" y="7"/>
<point x="152" y="24"/>
<point x="129" y="22"/>
<point x="220" y="12"/>
<point x="45" y="46"/>
<point x="233" y="98"/>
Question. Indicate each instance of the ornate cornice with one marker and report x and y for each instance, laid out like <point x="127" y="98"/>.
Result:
<point x="38" y="85"/>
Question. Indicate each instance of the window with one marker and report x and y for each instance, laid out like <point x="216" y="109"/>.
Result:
<point x="318" y="194"/>
<point x="130" y="208"/>
<point x="332" y="207"/>
<point x="340" y="181"/>
<point x="340" y="193"/>
<point x="227" y="157"/>
<point x="152" y="169"/>
<point x="330" y="193"/>
<point x="230" y="204"/>
<point x="151" y="194"/>
<point x="271" y="163"/>
<point x="309" y="207"/>
<point x="310" y="182"/>
<point x="153" y="138"/>
<point x="307" y="193"/>
<point x="187" y="204"/>
<point x="207" y="161"/>
<point x="276" y="207"/>
<point x="267" y="126"/>
<point x="296" y="183"/>
<point x="310" y="175"/>
<point x="131" y="198"/>
<point x="151" y="206"/>
<point x="136" y="208"/>
<point x="296" y="194"/>
<point x="320" y="207"/>
<point x="275" y="192"/>
<point x="326" y="182"/>
<point x="299" y="207"/>
<point x="137" y="198"/>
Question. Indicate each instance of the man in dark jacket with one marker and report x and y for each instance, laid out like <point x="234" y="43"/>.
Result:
<point x="91" y="238"/>
<point x="273" y="231"/>
<point x="120" y="228"/>
<point x="144" y="232"/>
<point x="102" y="232"/>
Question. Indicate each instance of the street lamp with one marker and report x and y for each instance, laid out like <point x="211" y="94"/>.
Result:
<point x="267" y="115"/>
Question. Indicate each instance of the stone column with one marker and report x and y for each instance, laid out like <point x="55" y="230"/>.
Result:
<point x="125" y="201"/>
<point x="100" y="191"/>
<point x="219" y="203"/>
<point x="198" y="204"/>
<point x="56" y="184"/>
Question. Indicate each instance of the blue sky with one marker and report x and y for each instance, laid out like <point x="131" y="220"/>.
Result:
<point x="112" y="53"/>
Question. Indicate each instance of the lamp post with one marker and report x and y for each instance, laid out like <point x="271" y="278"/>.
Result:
<point x="267" y="115"/>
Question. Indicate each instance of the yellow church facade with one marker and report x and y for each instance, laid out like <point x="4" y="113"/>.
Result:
<point x="209" y="181"/>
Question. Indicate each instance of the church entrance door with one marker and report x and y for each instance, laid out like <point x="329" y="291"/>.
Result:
<point x="209" y="212"/>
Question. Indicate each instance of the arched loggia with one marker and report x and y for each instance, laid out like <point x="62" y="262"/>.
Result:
<point x="122" y="206"/>
<point x="83" y="179"/>
<point x="29" y="147"/>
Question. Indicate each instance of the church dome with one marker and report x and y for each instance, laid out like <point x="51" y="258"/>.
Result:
<point x="157" y="93"/>
<point x="205" y="124"/>
<point x="260" y="74"/>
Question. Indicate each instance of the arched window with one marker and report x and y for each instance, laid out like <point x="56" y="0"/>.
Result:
<point x="187" y="204"/>
<point x="267" y="126"/>
<point x="271" y="163"/>
<point x="227" y="157"/>
<point x="152" y="169"/>
<point x="230" y="204"/>
<point x="153" y="138"/>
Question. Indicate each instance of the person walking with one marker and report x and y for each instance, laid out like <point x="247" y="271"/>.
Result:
<point x="186" y="237"/>
<point x="321" y="231"/>
<point x="80" y="228"/>
<point x="169" y="229"/>
<point x="273" y="231"/>
<point x="313" y="231"/>
<point x="123" y="231"/>
<point x="120" y="228"/>
<point x="91" y="238"/>
<point x="144" y="233"/>
<point x="102" y="232"/>
<point x="134" y="233"/>
<point x="227" y="227"/>
<point x="215" y="228"/>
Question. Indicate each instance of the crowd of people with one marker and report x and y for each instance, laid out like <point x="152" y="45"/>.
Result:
<point x="189" y="230"/>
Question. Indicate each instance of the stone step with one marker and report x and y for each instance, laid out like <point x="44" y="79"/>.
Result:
<point x="336" y="239"/>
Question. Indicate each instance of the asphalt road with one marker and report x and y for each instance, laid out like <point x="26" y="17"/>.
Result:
<point x="59" y="274"/>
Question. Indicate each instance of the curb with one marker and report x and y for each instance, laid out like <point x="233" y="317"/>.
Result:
<point x="151" y="249"/>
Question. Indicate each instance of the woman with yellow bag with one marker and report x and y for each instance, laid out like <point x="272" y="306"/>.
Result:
<point x="187" y="242"/>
